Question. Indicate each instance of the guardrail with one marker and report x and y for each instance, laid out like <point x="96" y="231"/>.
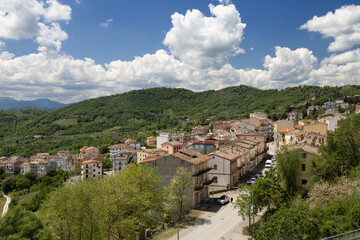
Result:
<point x="345" y="236"/>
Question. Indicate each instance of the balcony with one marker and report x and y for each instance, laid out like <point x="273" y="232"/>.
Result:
<point x="198" y="187"/>
<point x="202" y="172"/>
<point x="208" y="182"/>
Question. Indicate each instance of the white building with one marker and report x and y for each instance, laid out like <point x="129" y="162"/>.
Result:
<point x="91" y="169"/>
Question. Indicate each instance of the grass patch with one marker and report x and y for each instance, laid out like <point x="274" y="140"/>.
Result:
<point x="2" y="203"/>
<point x="171" y="229"/>
<point x="66" y="122"/>
<point x="26" y="198"/>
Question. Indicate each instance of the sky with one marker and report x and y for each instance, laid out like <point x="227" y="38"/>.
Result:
<point x="71" y="50"/>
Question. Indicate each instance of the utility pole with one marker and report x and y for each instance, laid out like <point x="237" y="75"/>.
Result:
<point x="177" y="226"/>
<point x="253" y="209"/>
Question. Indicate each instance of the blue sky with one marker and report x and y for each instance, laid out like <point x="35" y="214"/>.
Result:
<point x="70" y="50"/>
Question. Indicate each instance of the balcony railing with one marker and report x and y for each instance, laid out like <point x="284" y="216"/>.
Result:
<point x="208" y="182"/>
<point x="202" y="172"/>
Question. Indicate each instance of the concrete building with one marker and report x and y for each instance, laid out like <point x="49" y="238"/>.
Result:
<point x="171" y="147"/>
<point x="151" y="141"/>
<point x="295" y="115"/>
<point x="91" y="169"/>
<point x="198" y="130"/>
<point x="307" y="154"/>
<point x="89" y="150"/>
<point x="194" y="162"/>
<point x="281" y="125"/>
<point x="168" y="137"/>
<point x="263" y="125"/>
<point x="258" y="114"/>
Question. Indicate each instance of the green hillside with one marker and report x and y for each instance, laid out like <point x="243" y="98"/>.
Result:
<point x="137" y="114"/>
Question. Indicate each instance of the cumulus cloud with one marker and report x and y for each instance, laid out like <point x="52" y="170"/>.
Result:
<point x="2" y="45"/>
<point x="106" y="23"/>
<point x="22" y="19"/>
<point x="343" y="25"/>
<point x="206" y="41"/>
<point x="290" y="66"/>
<point x="198" y="59"/>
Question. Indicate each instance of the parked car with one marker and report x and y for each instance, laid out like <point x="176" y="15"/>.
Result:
<point x="223" y="199"/>
<point x="268" y="165"/>
<point x="258" y="175"/>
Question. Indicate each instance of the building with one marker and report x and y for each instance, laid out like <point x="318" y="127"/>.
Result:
<point x="258" y="114"/>
<point x="281" y="125"/>
<point x="307" y="154"/>
<point x="171" y="147"/>
<point x="65" y="163"/>
<point x="317" y="127"/>
<point x="151" y="141"/>
<point x="119" y="147"/>
<point x="145" y="153"/>
<point x="89" y="150"/>
<point x="205" y="147"/>
<point x="194" y="162"/>
<point x="329" y="105"/>
<point x="91" y="169"/>
<point x="263" y="125"/>
<point x="133" y="143"/>
<point x="295" y="115"/>
<point x="198" y="130"/>
<point x="168" y="137"/>
<point x="25" y="167"/>
<point x="357" y="109"/>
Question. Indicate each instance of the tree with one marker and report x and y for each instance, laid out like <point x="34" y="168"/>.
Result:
<point x="19" y="223"/>
<point x="128" y="200"/>
<point x="23" y="183"/>
<point x="341" y="153"/>
<point x="177" y="192"/>
<point x="9" y="185"/>
<point x="244" y="202"/>
<point x="72" y="211"/>
<point x="288" y="168"/>
<point x="268" y="192"/>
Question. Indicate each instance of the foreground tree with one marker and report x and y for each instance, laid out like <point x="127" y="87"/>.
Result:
<point x="341" y="153"/>
<point x="177" y="193"/>
<point x="128" y="201"/>
<point x="288" y="168"/>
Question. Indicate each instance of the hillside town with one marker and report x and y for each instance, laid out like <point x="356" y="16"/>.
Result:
<point x="219" y="155"/>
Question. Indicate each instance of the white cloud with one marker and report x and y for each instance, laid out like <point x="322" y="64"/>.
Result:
<point x="21" y="19"/>
<point x="199" y="50"/>
<point x="337" y="70"/>
<point x="50" y="37"/>
<point x="290" y="66"/>
<point x="56" y="11"/>
<point x="206" y="41"/>
<point x="106" y="23"/>
<point x="2" y="45"/>
<point x="343" y="25"/>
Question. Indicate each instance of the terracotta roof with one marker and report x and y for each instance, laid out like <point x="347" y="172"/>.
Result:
<point x="225" y="154"/>
<point x="121" y="145"/>
<point x="191" y="156"/>
<point x="307" y="120"/>
<point x="287" y="130"/>
<point x="90" y="161"/>
<point x="150" y="137"/>
<point x="152" y="158"/>
<point x="128" y="141"/>
<point x="174" y="143"/>
<point x="263" y="118"/>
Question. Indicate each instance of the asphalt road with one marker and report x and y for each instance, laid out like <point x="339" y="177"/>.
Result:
<point x="217" y="222"/>
<point x="6" y="206"/>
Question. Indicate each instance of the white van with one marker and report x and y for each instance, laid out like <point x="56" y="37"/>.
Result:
<point x="268" y="163"/>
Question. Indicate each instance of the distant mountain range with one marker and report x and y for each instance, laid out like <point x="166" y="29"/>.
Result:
<point x="43" y="104"/>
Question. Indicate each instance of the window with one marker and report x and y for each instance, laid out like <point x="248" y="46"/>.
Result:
<point x="303" y="167"/>
<point x="93" y="170"/>
<point x="215" y="179"/>
<point x="94" y="175"/>
<point x="215" y="166"/>
<point x="303" y="155"/>
<point x="303" y="181"/>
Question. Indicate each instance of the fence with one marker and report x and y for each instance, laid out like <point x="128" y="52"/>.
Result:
<point x="345" y="236"/>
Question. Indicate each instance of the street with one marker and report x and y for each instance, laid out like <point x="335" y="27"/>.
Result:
<point x="217" y="222"/>
<point x="6" y="206"/>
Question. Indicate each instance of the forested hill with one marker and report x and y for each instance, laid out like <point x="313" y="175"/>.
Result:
<point x="144" y="111"/>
